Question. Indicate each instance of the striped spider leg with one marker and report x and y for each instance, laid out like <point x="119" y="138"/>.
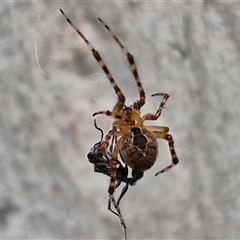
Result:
<point x="116" y="109"/>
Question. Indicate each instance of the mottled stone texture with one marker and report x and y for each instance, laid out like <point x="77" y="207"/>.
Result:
<point x="50" y="86"/>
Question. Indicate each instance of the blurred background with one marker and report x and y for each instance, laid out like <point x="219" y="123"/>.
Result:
<point x="51" y="84"/>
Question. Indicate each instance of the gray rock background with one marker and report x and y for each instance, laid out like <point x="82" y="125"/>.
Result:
<point x="51" y="85"/>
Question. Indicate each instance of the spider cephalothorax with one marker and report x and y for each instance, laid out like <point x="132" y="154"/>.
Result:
<point x="135" y="142"/>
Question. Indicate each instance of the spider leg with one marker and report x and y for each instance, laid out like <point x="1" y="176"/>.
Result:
<point x="104" y="145"/>
<point x="141" y="101"/>
<point x="157" y="129"/>
<point x="114" y="140"/>
<point x="113" y="166"/>
<point x="103" y="164"/>
<point x="112" y="185"/>
<point x="118" y="213"/>
<point x="169" y="138"/>
<point x="155" y="116"/>
<point x="121" y="97"/>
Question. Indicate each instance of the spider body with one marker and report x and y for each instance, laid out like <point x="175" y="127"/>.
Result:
<point x="139" y="149"/>
<point x="135" y="141"/>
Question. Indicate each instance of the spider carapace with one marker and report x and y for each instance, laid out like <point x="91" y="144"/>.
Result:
<point x="134" y="141"/>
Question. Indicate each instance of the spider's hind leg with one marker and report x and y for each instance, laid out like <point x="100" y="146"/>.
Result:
<point x="169" y="138"/>
<point x="101" y="63"/>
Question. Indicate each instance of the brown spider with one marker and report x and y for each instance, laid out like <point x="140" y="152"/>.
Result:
<point x="136" y="143"/>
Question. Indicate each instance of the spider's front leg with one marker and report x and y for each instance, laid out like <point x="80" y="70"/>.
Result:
<point x="121" y="98"/>
<point x="141" y="101"/>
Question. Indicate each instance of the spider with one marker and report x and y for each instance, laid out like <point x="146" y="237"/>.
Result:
<point x="136" y="143"/>
<point x="102" y="165"/>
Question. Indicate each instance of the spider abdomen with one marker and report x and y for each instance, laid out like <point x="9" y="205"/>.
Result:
<point x="139" y="149"/>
